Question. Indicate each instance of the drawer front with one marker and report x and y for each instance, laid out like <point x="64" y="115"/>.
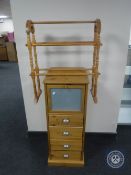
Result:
<point x="66" y="155"/>
<point x="66" y="120"/>
<point x="65" y="132"/>
<point x="75" y="145"/>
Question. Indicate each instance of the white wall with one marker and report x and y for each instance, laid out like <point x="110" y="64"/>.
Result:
<point x="130" y="37"/>
<point x="124" y="116"/>
<point x="115" y="17"/>
<point x="6" y="26"/>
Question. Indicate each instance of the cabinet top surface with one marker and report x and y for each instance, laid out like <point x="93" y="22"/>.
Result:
<point x="65" y="75"/>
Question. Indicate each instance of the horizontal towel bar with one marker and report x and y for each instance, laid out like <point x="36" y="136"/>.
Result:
<point x="62" y="22"/>
<point x="66" y="43"/>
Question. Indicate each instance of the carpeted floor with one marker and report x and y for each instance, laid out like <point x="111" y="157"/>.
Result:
<point x="26" y="154"/>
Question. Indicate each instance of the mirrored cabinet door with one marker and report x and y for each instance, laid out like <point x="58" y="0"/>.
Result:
<point x="65" y="99"/>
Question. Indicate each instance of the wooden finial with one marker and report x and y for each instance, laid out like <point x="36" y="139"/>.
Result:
<point x="98" y="23"/>
<point x="30" y="26"/>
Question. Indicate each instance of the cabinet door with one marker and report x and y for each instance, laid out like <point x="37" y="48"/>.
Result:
<point x="65" y="98"/>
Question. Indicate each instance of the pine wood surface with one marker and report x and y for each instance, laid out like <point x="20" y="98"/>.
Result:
<point x="32" y="44"/>
<point x="66" y="119"/>
<point x="66" y="163"/>
<point x="63" y="133"/>
<point x="69" y="134"/>
<point x="66" y="155"/>
<point x="66" y="145"/>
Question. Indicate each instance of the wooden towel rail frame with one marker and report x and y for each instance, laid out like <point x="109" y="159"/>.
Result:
<point x="32" y="44"/>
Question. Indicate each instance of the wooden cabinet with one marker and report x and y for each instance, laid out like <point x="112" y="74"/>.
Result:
<point x="11" y="51"/>
<point x="8" y="52"/>
<point x="3" y="54"/>
<point x="66" y="113"/>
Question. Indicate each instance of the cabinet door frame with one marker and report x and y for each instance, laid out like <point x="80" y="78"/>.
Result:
<point x="49" y="104"/>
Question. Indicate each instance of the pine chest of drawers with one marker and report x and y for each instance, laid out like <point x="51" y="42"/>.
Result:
<point x="66" y="96"/>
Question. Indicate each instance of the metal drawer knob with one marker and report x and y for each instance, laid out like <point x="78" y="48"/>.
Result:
<point x="66" y="156"/>
<point x="65" y="133"/>
<point x="66" y="146"/>
<point x="66" y="121"/>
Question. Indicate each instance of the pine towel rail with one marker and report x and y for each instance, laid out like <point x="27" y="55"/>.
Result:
<point x="32" y="44"/>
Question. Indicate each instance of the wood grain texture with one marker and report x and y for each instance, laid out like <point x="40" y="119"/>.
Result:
<point x="66" y="80"/>
<point x="69" y="137"/>
<point x="63" y="22"/>
<point x="67" y="145"/>
<point x="63" y="133"/>
<point x="66" y="71"/>
<point x="32" y="43"/>
<point x="66" y="155"/>
<point x="3" y="54"/>
<point x="66" y="43"/>
<point x="66" y="119"/>
<point x="66" y="163"/>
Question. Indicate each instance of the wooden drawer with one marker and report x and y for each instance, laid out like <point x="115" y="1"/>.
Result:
<point x="66" y="120"/>
<point x="65" y="132"/>
<point x="75" y="145"/>
<point x="66" y="155"/>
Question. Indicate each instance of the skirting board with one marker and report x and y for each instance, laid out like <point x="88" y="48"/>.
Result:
<point x="40" y="133"/>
